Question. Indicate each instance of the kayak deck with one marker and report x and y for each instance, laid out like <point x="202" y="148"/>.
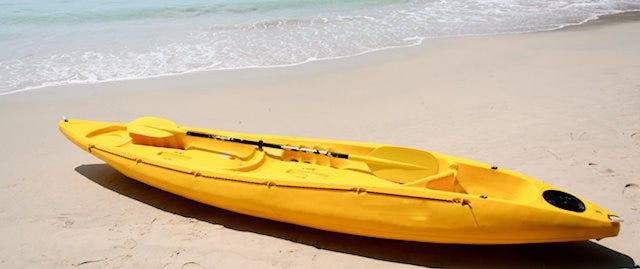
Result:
<point x="200" y="154"/>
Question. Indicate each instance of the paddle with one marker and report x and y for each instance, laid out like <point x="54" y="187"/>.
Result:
<point x="156" y="131"/>
<point x="397" y="164"/>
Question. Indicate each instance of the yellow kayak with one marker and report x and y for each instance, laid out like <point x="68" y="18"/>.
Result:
<point x="349" y="187"/>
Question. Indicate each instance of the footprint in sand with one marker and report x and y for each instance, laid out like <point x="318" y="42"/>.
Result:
<point x="192" y="265"/>
<point x="634" y="135"/>
<point x="632" y="191"/>
<point x="128" y="244"/>
<point x="606" y="171"/>
<point x="63" y="220"/>
<point x="582" y="136"/>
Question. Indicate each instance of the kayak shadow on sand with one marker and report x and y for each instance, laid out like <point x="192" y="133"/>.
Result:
<point x="585" y="254"/>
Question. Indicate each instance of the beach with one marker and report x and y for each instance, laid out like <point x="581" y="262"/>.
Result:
<point x="561" y="106"/>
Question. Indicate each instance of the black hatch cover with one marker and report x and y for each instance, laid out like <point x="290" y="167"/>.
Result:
<point x="563" y="200"/>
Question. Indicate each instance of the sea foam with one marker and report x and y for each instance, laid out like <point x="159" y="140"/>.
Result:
<point x="45" y="43"/>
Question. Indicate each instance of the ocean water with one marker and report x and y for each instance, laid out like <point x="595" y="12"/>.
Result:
<point x="58" y="42"/>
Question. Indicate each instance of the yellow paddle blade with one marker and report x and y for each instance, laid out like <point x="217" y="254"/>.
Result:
<point x="402" y="165"/>
<point x="162" y="133"/>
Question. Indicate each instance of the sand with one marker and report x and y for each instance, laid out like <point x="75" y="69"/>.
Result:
<point x="561" y="106"/>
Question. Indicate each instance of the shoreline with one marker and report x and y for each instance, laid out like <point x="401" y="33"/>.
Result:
<point x="623" y="17"/>
<point x="561" y="106"/>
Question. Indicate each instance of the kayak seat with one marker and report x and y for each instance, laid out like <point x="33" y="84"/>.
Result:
<point x="256" y="161"/>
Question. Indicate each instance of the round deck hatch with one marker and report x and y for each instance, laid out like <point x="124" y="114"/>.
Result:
<point x="564" y="200"/>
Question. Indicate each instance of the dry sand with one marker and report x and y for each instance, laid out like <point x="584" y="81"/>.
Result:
<point x="561" y="106"/>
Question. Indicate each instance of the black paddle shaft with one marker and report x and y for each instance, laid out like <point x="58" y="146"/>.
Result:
<point x="260" y="144"/>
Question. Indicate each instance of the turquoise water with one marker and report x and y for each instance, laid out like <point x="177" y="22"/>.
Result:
<point x="45" y="43"/>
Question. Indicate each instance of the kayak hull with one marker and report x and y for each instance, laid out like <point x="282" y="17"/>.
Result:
<point x="448" y="207"/>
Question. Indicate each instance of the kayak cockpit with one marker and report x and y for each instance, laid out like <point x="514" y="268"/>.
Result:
<point x="479" y="180"/>
<point x="495" y="183"/>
